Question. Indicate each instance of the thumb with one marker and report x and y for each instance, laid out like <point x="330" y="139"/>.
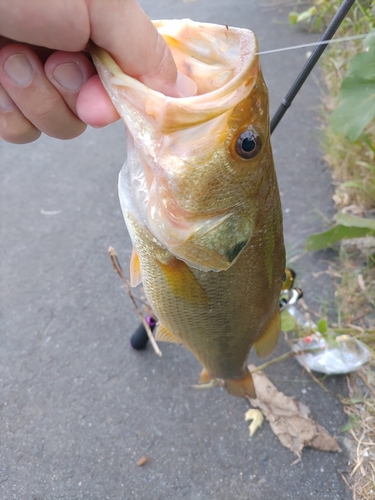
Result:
<point x="123" y="29"/>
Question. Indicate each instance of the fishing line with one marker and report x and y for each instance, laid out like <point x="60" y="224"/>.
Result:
<point x="312" y="60"/>
<point x="313" y="44"/>
<point x="309" y="65"/>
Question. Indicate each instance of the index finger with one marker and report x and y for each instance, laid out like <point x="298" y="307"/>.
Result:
<point x="126" y="32"/>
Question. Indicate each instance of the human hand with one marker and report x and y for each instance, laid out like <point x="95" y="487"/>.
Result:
<point x="48" y="84"/>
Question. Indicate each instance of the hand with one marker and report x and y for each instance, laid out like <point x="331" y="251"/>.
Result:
<point x="47" y="81"/>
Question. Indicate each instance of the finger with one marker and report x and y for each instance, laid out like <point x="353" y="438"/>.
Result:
<point x="68" y="72"/>
<point x="125" y="31"/>
<point x="94" y="107"/>
<point x="22" y="76"/>
<point x="14" y="127"/>
<point x="45" y="23"/>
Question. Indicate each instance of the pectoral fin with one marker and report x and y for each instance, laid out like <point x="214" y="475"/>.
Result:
<point x="181" y="280"/>
<point x="135" y="269"/>
<point x="241" y="387"/>
<point x="164" y="335"/>
<point x="268" y="341"/>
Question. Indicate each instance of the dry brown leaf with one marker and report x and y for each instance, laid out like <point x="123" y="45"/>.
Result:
<point x="289" y="419"/>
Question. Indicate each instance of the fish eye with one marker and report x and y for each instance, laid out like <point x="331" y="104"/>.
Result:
<point x="248" y="144"/>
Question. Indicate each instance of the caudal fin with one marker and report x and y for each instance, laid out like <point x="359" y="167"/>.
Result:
<point x="241" y="387"/>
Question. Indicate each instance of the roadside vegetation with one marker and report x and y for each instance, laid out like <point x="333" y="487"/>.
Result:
<point x="348" y="144"/>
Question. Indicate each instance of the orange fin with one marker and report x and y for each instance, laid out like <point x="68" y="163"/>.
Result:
<point x="241" y="387"/>
<point x="205" y="377"/>
<point x="164" y="335"/>
<point x="181" y="280"/>
<point x="135" y="269"/>
<point x="270" y="336"/>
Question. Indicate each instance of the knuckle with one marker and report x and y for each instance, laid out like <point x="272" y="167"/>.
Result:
<point x="44" y="108"/>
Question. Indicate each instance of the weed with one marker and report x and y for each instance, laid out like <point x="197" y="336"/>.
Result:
<point x="351" y="154"/>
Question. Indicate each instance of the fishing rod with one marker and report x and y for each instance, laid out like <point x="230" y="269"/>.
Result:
<point x="312" y="60"/>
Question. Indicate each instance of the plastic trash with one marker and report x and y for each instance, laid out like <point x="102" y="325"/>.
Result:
<point x="344" y="354"/>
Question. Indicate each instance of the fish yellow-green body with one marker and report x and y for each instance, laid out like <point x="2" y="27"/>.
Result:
<point x="200" y="199"/>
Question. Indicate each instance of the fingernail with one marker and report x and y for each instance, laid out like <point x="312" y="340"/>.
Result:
<point x="69" y="76"/>
<point x="6" y="103"/>
<point x="185" y="85"/>
<point x="19" y="69"/>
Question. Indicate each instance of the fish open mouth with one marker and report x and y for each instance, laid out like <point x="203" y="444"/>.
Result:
<point x="210" y="55"/>
<point x="222" y="62"/>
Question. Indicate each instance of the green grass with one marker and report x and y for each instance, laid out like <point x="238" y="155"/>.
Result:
<point x="353" y="171"/>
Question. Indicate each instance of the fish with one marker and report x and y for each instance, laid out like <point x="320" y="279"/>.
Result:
<point x="200" y="200"/>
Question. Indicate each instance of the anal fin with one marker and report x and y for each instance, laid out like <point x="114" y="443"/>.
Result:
<point x="267" y="343"/>
<point x="164" y="335"/>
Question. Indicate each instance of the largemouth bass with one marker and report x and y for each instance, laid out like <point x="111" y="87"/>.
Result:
<point x="200" y="200"/>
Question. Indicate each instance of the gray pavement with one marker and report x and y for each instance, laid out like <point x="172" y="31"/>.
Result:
<point x="78" y="406"/>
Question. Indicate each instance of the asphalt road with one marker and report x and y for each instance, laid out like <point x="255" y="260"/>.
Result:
<point x="78" y="406"/>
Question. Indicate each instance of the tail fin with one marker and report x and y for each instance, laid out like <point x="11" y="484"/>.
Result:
<point x="241" y="387"/>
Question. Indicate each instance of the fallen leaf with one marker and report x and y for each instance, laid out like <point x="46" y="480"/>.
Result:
<point x="290" y="419"/>
<point x="257" y="420"/>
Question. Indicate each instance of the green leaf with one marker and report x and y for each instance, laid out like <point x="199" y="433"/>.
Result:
<point x="336" y="233"/>
<point x="347" y="427"/>
<point x="366" y="139"/>
<point x="348" y="226"/>
<point x="293" y="17"/>
<point x="322" y="326"/>
<point x="306" y="14"/>
<point x="362" y="64"/>
<point x="369" y="40"/>
<point x="360" y="67"/>
<point x="352" y="422"/>
<point x="353" y="221"/>
<point x="288" y="322"/>
<point x="356" y="107"/>
<point x="352" y="184"/>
